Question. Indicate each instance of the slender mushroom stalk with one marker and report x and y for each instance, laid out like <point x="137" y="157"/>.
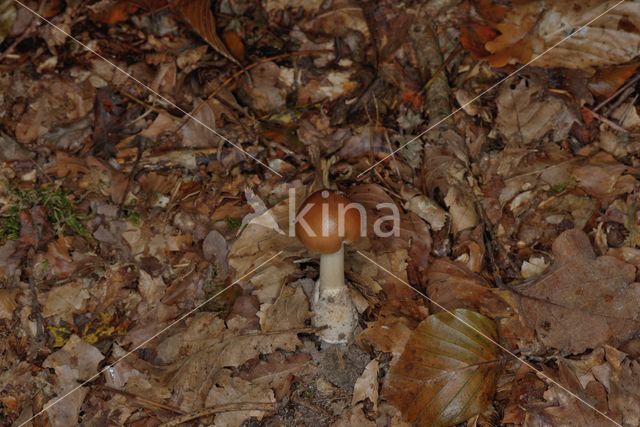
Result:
<point x="326" y="220"/>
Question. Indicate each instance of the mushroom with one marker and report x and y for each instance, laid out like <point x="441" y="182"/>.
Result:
<point x="327" y="220"/>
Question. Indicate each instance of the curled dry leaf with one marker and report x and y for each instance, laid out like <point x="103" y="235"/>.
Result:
<point x="585" y="301"/>
<point x="447" y="372"/>
<point x="366" y="386"/>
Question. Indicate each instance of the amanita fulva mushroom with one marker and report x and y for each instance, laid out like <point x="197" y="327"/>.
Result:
<point x="327" y="220"/>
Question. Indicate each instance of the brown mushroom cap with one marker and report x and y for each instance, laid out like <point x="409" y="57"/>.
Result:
<point x="331" y="241"/>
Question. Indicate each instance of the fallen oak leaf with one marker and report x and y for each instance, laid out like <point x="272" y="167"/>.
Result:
<point x="585" y="301"/>
<point x="447" y="372"/>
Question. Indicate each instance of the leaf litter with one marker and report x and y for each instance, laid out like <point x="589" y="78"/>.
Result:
<point x="133" y="240"/>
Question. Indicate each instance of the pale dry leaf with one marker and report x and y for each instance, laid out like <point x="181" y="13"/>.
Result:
<point x="428" y="210"/>
<point x="563" y="409"/>
<point x="278" y="371"/>
<point x="288" y="312"/>
<point x="258" y="243"/>
<point x="388" y="334"/>
<point x="204" y="347"/>
<point x="527" y="113"/>
<point x="533" y="27"/>
<point x="604" y="177"/>
<point x="77" y="361"/>
<point x="267" y="90"/>
<point x="64" y="300"/>
<point x="624" y="398"/>
<point x="535" y="266"/>
<point x="215" y="248"/>
<point x="461" y="208"/>
<point x="366" y="386"/>
<point x="8" y="302"/>
<point x="447" y="372"/>
<point x="232" y="389"/>
<point x="584" y="301"/>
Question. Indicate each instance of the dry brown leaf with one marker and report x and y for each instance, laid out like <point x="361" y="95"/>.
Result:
<point x="604" y="177"/>
<point x="289" y="311"/>
<point x="452" y="285"/>
<point x="533" y="27"/>
<point x="388" y="334"/>
<point x="277" y="371"/>
<point x="526" y="113"/>
<point x="266" y="92"/>
<point x="447" y="372"/>
<point x="191" y="358"/>
<point x="563" y="409"/>
<point x="585" y="301"/>
<point x="197" y="13"/>
<point x="366" y="386"/>
<point x="624" y="396"/>
<point x="65" y="300"/>
<point x="8" y="302"/>
<point x="231" y="389"/>
<point x="606" y="81"/>
<point x="75" y="362"/>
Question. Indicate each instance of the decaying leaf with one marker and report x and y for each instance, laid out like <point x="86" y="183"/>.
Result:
<point x="7" y="16"/>
<point x="447" y="372"/>
<point x="8" y="302"/>
<point x="367" y="385"/>
<point x="526" y="113"/>
<point x="75" y="362"/>
<point x="584" y="301"/>
<point x="289" y="311"/>
<point x="533" y="27"/>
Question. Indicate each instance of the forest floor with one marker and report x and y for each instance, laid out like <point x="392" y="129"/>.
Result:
<point x="152" y="153"/>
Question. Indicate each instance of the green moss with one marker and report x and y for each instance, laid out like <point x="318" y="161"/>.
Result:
<point x="60" y="209"/>
<point x="559" y="188"/>
<point x="234" y="223"/>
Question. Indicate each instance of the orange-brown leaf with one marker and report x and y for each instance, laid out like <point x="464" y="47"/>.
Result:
<point x="447" y="372"/>
<point x="473" y="37"/>
<point x="197" y="13"/>
<point x="606" y="81"/>
<point x="235" y="44"/>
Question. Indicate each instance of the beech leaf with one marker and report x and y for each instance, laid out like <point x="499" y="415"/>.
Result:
<point x="447" y="372"/>
<point x="197" y="13"/>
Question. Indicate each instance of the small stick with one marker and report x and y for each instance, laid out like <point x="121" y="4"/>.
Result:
<point x="608" y="122"/>
<point x="144" y="402"/>
<point x="624" y="87"/>
<point x="230" y="407"/>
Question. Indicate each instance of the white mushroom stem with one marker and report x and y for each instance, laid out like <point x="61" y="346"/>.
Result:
<point x="332" y="271"/>
<point x="331" y="302"/>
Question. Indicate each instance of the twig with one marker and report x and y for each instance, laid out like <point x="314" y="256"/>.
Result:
<point x="607" y="122"/>
<point x="624" y="87"/>
<point x="230" y="407"/>
<point x="141" y="400"/>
